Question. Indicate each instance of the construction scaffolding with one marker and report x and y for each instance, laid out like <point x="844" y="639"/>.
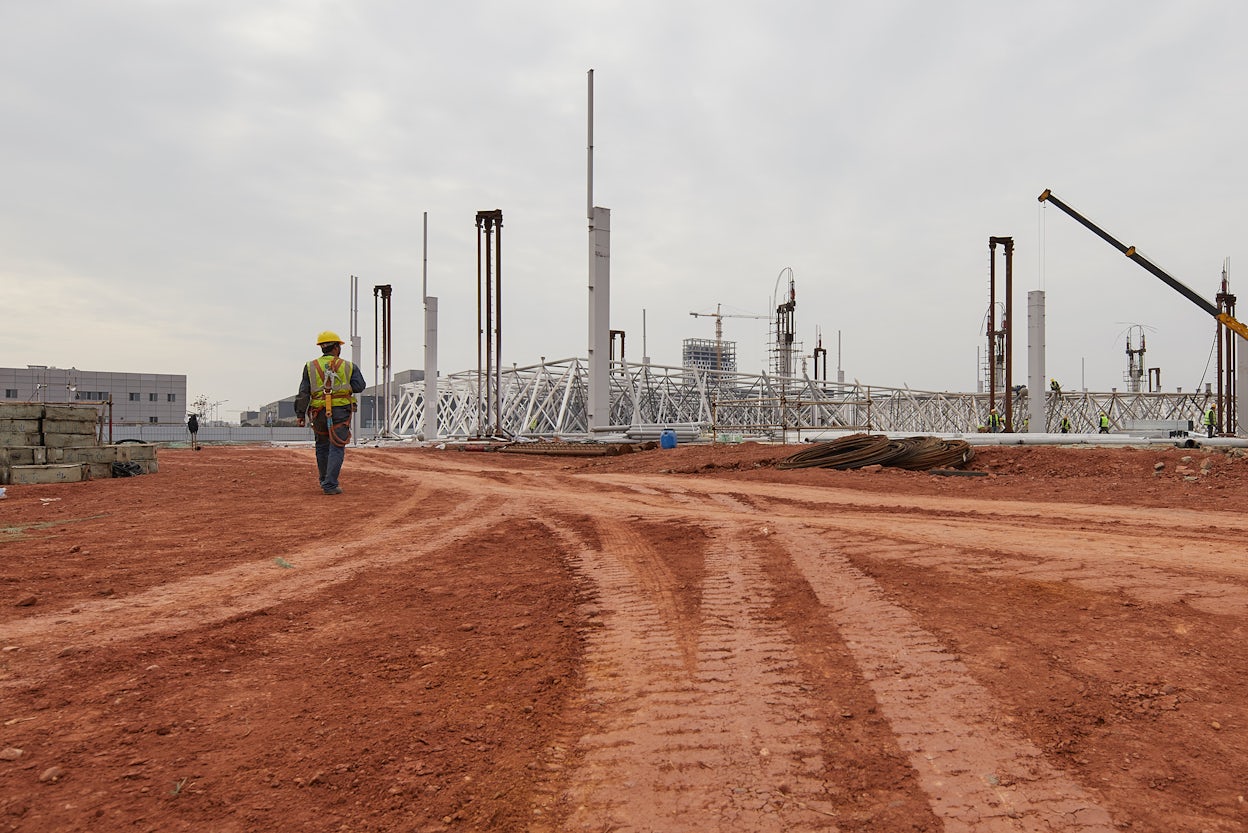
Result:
<point x="549" y="400"/>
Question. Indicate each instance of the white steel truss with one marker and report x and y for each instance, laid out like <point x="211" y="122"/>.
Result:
<point x="550" y="399"/>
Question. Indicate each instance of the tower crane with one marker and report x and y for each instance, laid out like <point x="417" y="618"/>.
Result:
<point x="1223" y="310"/>
<point x="719" y="329"/>
<point x="1225" y="318"/>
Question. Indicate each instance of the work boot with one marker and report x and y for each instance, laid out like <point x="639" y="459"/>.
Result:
<point x="334" y="491"/>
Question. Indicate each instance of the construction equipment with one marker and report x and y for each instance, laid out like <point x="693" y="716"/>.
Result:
<point x="719" y="330"/>
<point x="1225" y="318"/>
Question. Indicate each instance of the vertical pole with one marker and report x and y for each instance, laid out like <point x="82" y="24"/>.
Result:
<point x="480" y="335"/>
<point x="589" y="163"/>
<point x="430" y="424"/>
<point x="356" y="349"/>
<point x="598" y="407"/>
<point x="992" y="323"/>
<point x="1008" y="324"/>
<point x="1037" y="390"/>
<point x="431" y="368"/>
<point x="599" y="319"/>
<point x="376" y="361"/>
<point x="489" y="294"/>
<point x="498" y="344"/>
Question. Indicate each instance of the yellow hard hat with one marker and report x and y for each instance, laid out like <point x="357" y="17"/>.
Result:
<point x="329" y="337"/>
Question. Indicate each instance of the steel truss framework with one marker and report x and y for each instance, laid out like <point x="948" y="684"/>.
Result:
<point x="549" y="399"/>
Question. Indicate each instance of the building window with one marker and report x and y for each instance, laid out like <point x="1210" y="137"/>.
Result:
<point x="134" y="397"/>
<point x="152" y="419"/>
<point x="171" y="397"/>
<point x="10" y="393"/>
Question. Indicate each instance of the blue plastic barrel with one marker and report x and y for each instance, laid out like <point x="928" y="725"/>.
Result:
<point x="667" y="439"/>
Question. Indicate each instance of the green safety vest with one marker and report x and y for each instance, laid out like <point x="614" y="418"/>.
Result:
<point x="337" y="371"/>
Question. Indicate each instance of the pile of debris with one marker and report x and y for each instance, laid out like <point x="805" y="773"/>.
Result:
<point x="42" y="443"/>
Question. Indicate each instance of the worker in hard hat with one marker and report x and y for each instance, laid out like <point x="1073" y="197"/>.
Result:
<point x="1055" y="386"/>
<point x="1211" y="420"/>
<point x="327" y="398"/>
<point x="1104" y="423"/>
<point x="995" y="423"/>
<point x="1064" y="426"/>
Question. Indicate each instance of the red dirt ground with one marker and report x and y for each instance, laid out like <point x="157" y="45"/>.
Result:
<point x="671" y="640"/>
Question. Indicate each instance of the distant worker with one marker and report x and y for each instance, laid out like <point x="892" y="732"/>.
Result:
<point x="327" y="391"/>
<point x="1064" y="426"/>
<point x="1211" y="419"/>
<point x="192" y="425"/>
<point x="1104" y="423"/>
<point x="995" y="424"/>
<point x="1054" y="386"/>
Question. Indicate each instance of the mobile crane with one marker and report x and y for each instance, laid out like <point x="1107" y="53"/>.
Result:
<point x="1224" y="317"/>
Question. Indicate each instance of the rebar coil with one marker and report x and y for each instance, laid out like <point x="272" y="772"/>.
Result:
<point x="858" y="450"/>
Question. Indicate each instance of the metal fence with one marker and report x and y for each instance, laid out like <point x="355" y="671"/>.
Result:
<point x="169" y="434"/>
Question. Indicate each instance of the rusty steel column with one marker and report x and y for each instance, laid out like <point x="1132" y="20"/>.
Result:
<point x="1226" y="364"/>
<point x="489" y="321"/>
<point x="1005" y="333"/>
<point x="992" y="324"/>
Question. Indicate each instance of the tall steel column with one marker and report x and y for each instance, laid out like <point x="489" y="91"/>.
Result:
<point x="356" y="349"/>
<point x="1226" y="359"/>
<point x="382" y="344"/>
<point x="599" y="318"/>
<point x="1038" y="392"/>
<point x="1001" y="340"/>
<point x="490" y="320"/>
<point x="430" y="424"/>
<point x="598" y="399"/>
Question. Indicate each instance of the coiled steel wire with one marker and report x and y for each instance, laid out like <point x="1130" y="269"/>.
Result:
<point x="858" y="450"/>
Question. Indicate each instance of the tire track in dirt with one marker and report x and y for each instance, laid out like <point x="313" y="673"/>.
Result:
<point x="1148" y="565"/>
<point x="697" y="729"/>
<point x="210" y="597"/>
<point x="1192" y="556"/>
<point x="979" y="777"/>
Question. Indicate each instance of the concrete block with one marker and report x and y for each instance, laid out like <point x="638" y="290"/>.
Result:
<point x="21" y="410"/>
<point x="72" y="412"/>
<point x="138" y="452"/>
<point x="14" y="426"/>
<point x="90" y="454"/>
<point x="65" y="440"/>
<point x="24" y="455"/>
<point x="51" y="473"/>
<point x="100" y="471"/>
<point x="8" y="439"/>
<point x="69" y="426"/>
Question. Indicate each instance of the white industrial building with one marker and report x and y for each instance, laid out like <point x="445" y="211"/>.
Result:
<point x="139" y="398"/>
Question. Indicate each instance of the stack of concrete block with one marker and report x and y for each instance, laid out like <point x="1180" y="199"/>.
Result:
<point x="42" y="443"/>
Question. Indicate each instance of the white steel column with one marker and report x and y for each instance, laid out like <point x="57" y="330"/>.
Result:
<point x="429" y="427"/>
<point x="599" y="408"/>
<point x="1037" y="385"/>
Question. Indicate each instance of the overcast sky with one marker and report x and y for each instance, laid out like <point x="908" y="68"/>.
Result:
<point x="187" y="186"/>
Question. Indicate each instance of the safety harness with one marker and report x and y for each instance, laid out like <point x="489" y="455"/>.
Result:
<point x="327" y="375"/>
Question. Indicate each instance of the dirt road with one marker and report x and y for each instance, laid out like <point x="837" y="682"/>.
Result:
<point x="683" y="640"/>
